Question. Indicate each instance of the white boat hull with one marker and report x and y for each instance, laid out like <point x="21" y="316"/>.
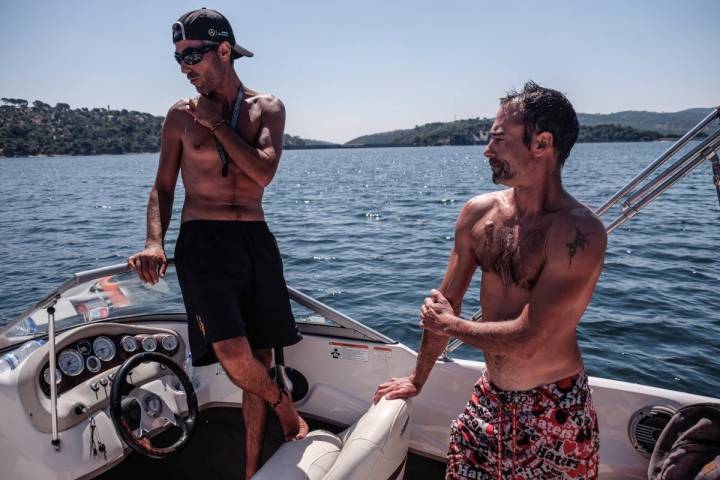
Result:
<point x="342" y="374"/>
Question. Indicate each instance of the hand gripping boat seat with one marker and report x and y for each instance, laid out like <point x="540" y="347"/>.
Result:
<point x="375" y="447"/>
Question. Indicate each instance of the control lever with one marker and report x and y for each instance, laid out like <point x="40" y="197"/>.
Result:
<point x="280" y="375"/>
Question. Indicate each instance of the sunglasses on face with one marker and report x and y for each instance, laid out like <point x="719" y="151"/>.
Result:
<point x="194" y="55"/>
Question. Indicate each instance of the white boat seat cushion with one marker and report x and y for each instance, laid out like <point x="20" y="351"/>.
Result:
<point x="373" y="448"/>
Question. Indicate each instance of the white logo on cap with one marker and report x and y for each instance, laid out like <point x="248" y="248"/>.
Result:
<point x="211" y="32"/>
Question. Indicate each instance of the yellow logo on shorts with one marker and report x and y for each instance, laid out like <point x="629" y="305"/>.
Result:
<point x="200" y="324"/>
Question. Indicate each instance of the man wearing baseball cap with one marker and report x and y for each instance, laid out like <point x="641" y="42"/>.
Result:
<point x="226" y="143"/>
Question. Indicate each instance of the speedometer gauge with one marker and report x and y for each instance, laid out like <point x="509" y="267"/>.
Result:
<point x="129" y="344"/>
<point x="71" y="362"/>
<point x="84" y="347"/>
<point x="93" y="364"/>
<point x="169" y="342"/>
<point x="46" y="376"/>
<point x="149" y="344"/>
<point x="104" y="348"/>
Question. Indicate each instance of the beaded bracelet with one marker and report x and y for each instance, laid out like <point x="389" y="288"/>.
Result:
<point x="212" y="129"/>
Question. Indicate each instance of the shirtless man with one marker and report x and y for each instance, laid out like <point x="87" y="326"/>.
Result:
<point x="541" y="253"/>
<point x="228" y="263"/>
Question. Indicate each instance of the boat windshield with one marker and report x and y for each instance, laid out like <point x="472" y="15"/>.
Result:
<point x="115" y="292"/>
<point x="99" y="298"/>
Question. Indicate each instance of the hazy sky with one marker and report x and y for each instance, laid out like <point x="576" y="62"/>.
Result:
<point x="348" y="68"/>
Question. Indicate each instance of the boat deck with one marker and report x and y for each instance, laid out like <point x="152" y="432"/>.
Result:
<point x="217" y="451"/>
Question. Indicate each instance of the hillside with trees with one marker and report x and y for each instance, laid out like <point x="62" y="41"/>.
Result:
<point x="472" y="131"/>
<point x="673" y="123"/>
<point x="41" y="129"/>
<point x="475" y="131"/>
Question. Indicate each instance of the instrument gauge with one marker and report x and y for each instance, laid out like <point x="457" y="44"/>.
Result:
<point x="46" y="376"/>
<point x="104" y="348"/>
<point x="71" y="363"/>
<point x="169" y="342"/>
<point x="84" y="347"/>
<point x="129" y="344"/>
<point x="149" y="344"/>
<point x="93" y="364"/>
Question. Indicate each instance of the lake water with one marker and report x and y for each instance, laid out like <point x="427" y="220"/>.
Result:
<point x="369" y="232"/>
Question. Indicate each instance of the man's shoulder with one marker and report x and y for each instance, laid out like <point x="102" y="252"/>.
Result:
<point x="178" y="111"/>
<point x="480" y="206"/>
<point x="578" y="227"/>
<point x="268" y="103"/>
<point x="486" y="201"/>
<point x="577" y="216"/>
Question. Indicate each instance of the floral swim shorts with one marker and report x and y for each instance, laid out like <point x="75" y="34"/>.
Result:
<point x="549" y="432"/>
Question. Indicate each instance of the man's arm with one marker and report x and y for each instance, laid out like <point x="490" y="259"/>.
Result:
<point x="459" y="273"/>
<point x="151" y="263"/>
<point x="574" y="259"/>
<point x="259" y="163"/>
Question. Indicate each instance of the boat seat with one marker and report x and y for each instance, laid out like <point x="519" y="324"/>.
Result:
<point x="375" y="447"/>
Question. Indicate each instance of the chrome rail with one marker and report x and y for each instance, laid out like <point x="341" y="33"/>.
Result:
<point x="55" y="437"/>
<point x="663" y="181"/>
<point x="337" y="317"/>
<point x="691" y="134"/>
<point x="636" y="200"/>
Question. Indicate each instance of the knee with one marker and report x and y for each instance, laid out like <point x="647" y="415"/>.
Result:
<point x="235" y="355"/>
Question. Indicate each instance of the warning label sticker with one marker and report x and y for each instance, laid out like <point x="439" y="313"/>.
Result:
<point x="382" y="352"/>
<point x="348" y="351"/>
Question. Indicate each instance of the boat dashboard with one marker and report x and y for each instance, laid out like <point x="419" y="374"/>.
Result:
<point x="98" y="354"/>
<point x="87" y="360"/>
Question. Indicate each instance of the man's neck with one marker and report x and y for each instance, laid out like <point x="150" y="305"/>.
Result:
<point x="542" y="196"/>
<point x="228" y="90"/>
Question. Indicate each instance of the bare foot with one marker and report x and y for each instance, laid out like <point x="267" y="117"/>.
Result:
<point x="294" y="427"/>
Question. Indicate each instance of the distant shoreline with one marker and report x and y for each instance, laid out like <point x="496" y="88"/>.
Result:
<point x="45" y="130"/>
<point x="318" y="147"/>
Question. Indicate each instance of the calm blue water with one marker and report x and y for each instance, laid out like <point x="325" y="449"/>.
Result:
<point x="369" y="233"/>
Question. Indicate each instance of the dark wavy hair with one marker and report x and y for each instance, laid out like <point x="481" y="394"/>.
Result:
<point x="546" y="110"/>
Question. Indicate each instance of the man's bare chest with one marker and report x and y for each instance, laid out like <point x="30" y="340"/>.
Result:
<point x="515" y="252"/>
<point x="198" y="137"/>
<point x="200" y="148"/>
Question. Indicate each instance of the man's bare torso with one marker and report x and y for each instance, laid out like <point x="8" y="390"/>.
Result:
<point x="209" y="195"/>
<point x="511" y="252"/>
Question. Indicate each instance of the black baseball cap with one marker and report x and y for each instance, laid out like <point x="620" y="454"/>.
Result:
<point x="207" y="24"/>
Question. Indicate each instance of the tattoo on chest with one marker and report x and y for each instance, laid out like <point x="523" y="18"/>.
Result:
<point x="581" y="241"/>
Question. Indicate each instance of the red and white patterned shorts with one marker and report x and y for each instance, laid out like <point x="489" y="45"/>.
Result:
<point x="549" y="432"/>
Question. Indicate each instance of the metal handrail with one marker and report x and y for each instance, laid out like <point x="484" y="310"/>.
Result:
<point x="636" y="201"/>
<point x="691" y="134"/>
<point x="708" y="144"/>
<point x="337" y="317"/>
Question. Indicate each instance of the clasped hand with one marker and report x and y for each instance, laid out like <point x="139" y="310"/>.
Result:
<point x="206" y="110"/>
<point x="436" y="313"/>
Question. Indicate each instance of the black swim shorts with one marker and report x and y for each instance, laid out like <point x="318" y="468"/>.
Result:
<point x="231" y="277"/>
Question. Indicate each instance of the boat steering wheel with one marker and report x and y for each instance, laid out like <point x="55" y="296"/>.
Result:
<point x="154" y="412"/>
